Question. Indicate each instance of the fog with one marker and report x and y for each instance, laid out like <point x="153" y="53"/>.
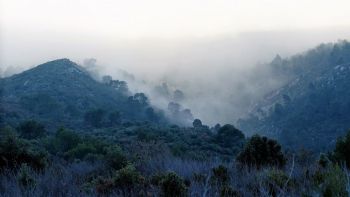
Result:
<point x="216" y="74"/>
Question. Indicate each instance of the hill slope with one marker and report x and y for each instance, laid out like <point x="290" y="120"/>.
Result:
<point x="313" y="108"/>
<point x="60" y="92"/>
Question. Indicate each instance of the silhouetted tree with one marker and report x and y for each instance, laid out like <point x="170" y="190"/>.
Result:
<point x="229" y="136"/>
<point x="197" y="123"/>
<point x="261" y="151"/>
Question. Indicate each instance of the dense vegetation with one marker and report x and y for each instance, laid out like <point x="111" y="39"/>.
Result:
<point x="143" y="160"/>
<point x="311" y="109"/>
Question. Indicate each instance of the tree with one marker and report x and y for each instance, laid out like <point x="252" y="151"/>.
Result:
<point x="173" y="186"/>
<point x="229" y="136"/>
<point x="342" y="149"/>
<point x="65" y="140"/>
<point x="31" y="130"/>
<point x="197" y="123"/>
<point x="261" y="151"/>
<point x="94" y="117"/>
<point x="114" y="118"/>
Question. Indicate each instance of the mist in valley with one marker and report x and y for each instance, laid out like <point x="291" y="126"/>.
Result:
<point x="221" y="77"/>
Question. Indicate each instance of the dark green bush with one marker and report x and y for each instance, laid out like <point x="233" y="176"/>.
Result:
<point x="342" y="150"/>
<point x="115" y="157"/>
<point x="221" y="175"/>
<point x="31" y="130"/>
<point x="229" y="136"/>
<point x="15" y="151"/>
<point x="261" y="151"/>
<point x="173" y="186"/>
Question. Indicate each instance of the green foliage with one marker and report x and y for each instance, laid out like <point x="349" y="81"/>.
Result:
<point x="261" y="151"/>
<point x="332" y="181"/>
<point x="127" y="177"/>
<point x="221" y="175"/>
<point x="65" y="140"/>
<point x="115" y="157"/>
<point x="173" y="186"/>
<point x="229" y="136"/>
<point x="95" y="117"/>
<point x="145" y="134"/>
<point x="81" y="151"/>
<point x="31" y="130"/>
<point x="342" y="150"/>
<point x="15" y="151"/>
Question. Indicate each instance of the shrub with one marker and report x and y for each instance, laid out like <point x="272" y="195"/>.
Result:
<point x="65" y="140"/>
<point x="173" y="186"/>
<point x="115" y="157"/>
<point x="15" y="151"/>
<point x="31" y="130"/>
<point x="220" y="174"/>
<point x="332" y="182"/>
<point x="229" y="136"/>
<point x="342" y="149"/>
<point x="127" y="177"/>
<point x="80" y="151"/>
<point x="261" y="151"/>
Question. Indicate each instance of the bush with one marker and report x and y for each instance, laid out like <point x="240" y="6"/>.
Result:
<point x="15" y="151"/>
<point x="31" y="130"/>
<point x="261" y="151"/>
<point x="342" y="150"/>
<point x="229" y="136"/>
<point x="220" y="174"/>
<point x="65" y="140"/>
<point x="173" y="186"/>
<point x="115" y="157"/>
<point x="80" y="151"/>
<point x="334" y="182"/>
<point x="127" y="177"/>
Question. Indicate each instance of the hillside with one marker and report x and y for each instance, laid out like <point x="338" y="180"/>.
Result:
<point x="60" y="93"/>
<point x="312" y="109"/>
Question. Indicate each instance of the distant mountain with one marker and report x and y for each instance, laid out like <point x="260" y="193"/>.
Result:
<point x="60" y="93"/>
<point x="313" y="108"/>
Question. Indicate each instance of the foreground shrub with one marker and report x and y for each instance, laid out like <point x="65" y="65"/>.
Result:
<point x="332" y="182"/>
<point x="15" y="151"/>
<point x="173" y="186"/>
<point x="115" y="157"/>
<point x="261" y="151"/>
<point x="127" y="177"/>
<point x="220" y="175"/>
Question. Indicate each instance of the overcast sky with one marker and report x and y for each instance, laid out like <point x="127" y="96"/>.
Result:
<point x="47" y="28"/>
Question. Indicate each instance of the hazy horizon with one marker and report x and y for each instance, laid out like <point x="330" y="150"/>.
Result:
<point x="190" y="45"/>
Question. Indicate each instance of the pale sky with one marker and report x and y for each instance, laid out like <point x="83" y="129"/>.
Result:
<point x="170" y="18"/>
